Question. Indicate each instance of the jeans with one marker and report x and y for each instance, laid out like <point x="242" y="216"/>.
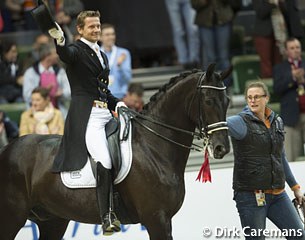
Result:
<point x="185" y="32"/>
<point x="278" y="209"/>
<point x="215" y="45"/>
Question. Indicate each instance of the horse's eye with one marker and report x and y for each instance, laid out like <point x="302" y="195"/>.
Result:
<point x="209" y="102"/>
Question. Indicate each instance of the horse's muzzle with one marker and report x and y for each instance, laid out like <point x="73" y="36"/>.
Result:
<point x="220" y="150"/>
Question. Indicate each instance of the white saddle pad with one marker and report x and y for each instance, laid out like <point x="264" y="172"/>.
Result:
<point x="84" y="177"/>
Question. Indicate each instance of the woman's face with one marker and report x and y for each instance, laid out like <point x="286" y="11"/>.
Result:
<point x="257" y="100"/>
<point x="38" y="102"/>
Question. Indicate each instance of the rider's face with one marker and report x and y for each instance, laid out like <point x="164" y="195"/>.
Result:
<point x="91" y="30"/>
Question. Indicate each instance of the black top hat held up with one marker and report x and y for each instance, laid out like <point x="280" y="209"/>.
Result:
<point x="43" y="17"/>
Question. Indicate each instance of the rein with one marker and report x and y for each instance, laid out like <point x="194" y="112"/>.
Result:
<point x="204" y="133"/>
<point x="135" y="116"/>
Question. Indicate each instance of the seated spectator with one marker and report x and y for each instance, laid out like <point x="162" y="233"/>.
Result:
<point x="134" y="97"/>
<point x="42" y="117"/>
<point x="8" y="129"/>
<point x="10" y="76"/>
<point x="47" y="73"/>
<point x="33" y="56"/>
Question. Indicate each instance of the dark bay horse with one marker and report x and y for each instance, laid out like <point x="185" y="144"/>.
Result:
<point x="154" y="189"/>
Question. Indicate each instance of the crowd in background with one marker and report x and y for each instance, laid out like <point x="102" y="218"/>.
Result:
<point x="201" y="32"/>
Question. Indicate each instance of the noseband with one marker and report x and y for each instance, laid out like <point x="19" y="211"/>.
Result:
<point x="204" y="132"/>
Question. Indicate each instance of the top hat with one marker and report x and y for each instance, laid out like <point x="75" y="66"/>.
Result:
<point x="43" y="16"/>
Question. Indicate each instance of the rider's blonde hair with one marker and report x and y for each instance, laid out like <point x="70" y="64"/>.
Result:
<point x="83" y="15"/>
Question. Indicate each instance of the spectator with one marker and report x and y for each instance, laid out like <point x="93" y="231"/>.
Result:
<point x="47" y="73"/>
<point x="8" y="129"/>
<point x="28" y="6"/>
<point x="185" y="32"/>
<point x="10" y="74"/>
<point x="134" y="97"/>
<point x="66" y="17"/>
<point x="12" y="14"/>
<point x="214" y="19"/>
<point x="33" y="56"/>
<point x="275" y="20"/>
<point x="42" y="118"/>
<point x="289" y="84"/>
<point x="119" y="62"/>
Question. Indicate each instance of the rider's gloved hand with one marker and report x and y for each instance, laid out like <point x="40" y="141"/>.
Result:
<point x="119" y="104"/>
<point x="57" y="34"/>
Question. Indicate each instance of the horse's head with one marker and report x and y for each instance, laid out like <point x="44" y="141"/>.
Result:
<point x="209" y="107"/>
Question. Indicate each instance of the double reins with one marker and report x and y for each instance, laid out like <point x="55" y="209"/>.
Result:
<point x="204" y="133"/>
<point x="135" y="116"/>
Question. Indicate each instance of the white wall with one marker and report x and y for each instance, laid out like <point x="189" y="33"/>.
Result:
<point x="206" y="205"/>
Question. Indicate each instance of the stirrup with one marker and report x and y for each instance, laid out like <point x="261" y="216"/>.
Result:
<point x="111" y="224"/>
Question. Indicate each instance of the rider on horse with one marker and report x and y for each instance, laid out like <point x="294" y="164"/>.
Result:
<point x="88" y="71"/>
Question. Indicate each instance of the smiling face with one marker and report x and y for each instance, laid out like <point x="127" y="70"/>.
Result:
<point x="38" y="102"/>
<point x="257" y="100"/>
<point x="91" y="30"/>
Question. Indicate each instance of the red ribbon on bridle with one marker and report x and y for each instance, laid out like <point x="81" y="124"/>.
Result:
<point x="204" y="174"/>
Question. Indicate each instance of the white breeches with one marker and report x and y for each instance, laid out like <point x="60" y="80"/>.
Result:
<point x="96" y="141"/>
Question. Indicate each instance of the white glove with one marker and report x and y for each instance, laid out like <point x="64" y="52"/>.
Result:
<point x="119" y="104"/>
<point x="57" y="34"/>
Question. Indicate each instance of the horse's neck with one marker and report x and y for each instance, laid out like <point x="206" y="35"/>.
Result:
<point x="173" y="156"/>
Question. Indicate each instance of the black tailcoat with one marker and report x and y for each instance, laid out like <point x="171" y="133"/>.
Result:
<point x="88" y="81"/>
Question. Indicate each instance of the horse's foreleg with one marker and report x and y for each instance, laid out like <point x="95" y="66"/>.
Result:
<point x="54" y="228"/>
<point x="10" y="225"/>
<point x="13" y="217"/>
<point x="159" y="228"/>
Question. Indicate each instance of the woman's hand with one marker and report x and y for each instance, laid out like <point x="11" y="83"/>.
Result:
<point x="299" y="196"/>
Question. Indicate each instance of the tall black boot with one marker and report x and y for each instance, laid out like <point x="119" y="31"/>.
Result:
<point x="110" y="223"/>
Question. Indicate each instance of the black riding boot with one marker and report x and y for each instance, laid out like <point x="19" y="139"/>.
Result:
<point x="110" y="223"/>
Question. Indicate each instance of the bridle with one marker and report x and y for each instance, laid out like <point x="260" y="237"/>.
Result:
<point x="209" y="129"/>
<point x="204" y="132"/>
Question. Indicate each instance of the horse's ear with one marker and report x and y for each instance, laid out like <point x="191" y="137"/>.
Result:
<point x="226" y="73"/>
<point x="210" y="70"/>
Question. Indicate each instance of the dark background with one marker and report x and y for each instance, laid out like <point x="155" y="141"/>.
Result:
<point x="143" y="27"/>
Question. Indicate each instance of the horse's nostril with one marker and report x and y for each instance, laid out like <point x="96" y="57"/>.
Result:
<point x="220" y="150"/>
